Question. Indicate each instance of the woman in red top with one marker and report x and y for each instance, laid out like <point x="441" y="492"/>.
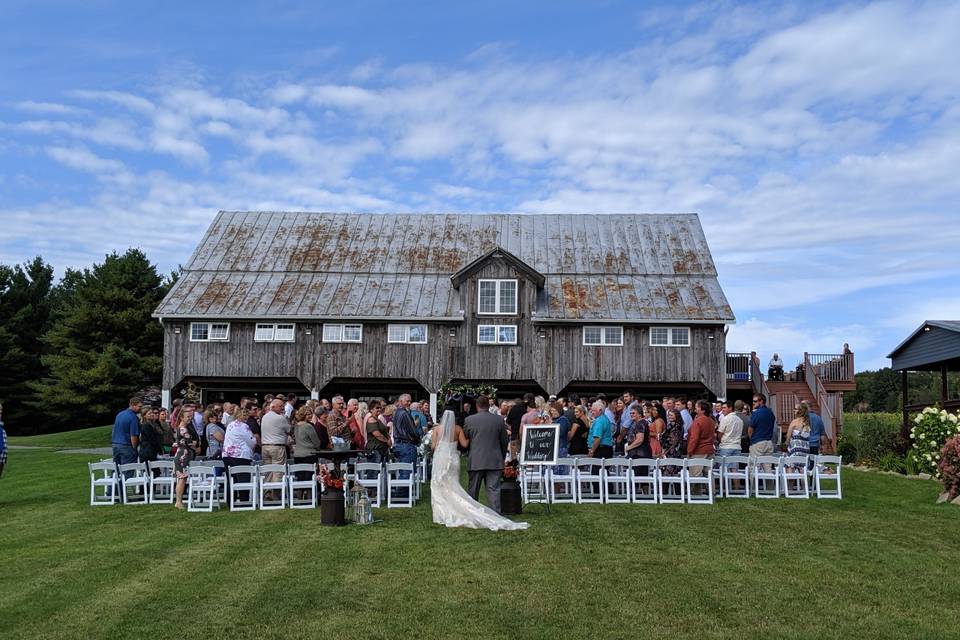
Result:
<point x="703" y="432"/>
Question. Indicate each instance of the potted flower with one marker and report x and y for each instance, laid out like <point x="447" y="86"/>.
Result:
<point x="511" y="502"/>
<point x="332" y="499"/>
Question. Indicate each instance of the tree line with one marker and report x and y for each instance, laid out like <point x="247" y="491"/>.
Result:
<point x="71" y="352"/>
<point x="882" y="390"/>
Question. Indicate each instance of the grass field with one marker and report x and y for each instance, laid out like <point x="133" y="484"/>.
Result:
<point x="79" y="439"/>
<point x="882" y="563"/>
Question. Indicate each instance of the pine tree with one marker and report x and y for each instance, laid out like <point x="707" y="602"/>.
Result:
<point x="24" y="316"/>
<point x="103" y="345"/>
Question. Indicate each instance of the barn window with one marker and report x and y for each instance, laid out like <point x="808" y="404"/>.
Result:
<point x="497" y="297"/>
<point x="274" y="333"/>
<point x="603" y="336"/>
<point x="209" y="331"/>
<point x="407" y="333"/>
<point x="497" y="334"/>
<point x="670" y="337"/>
<point x="342" y="333"/>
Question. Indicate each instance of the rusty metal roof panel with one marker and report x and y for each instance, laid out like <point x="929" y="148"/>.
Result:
<point x="629" y="267"/>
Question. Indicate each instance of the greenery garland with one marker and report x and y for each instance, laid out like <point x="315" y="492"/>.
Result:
<point x="449" y="390"/>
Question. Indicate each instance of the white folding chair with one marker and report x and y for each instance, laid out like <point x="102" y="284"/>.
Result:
<point x="134" y="483"/>
<point x="162" y="481"/>
<point x="826" y="471"/>
<point x="201" y="488"/>
<point x="671" y="485"/>
<point x="271" y="478"/>
<point x="717" y="473"/>
<point x="400" y="490"/>
<point x="736" y="468"/>
<point x="793" y="469"/>
<point x="296" y="483"/>
<point x="104" y="485"/>
<point x="534" y="483"/>
<point x="643" y="481"/>
<point x="563" y="478"/>
<point x="220" y="478"/>
<point x="766" y="471"/>
<point x="589" y="481"/>
<point x="370" y="477"/>
<point x="616" y="480"/>
<point x="699" y="473"/>
<point x="238" y="488"/>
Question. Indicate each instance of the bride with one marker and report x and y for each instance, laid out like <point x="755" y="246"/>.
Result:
<point x="452" y="505"/>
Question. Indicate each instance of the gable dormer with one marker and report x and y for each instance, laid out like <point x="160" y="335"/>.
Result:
<point x="498" y="284"/>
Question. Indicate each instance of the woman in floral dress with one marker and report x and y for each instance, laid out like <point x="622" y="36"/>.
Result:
<point x="188" y="446"/>
<point x="672" y="439"/>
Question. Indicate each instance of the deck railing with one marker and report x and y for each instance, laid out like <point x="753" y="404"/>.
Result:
<point x="738" y="366"/>
<point x="832" y="367"/>
<point x="756" y="376"/>
<point x="814" y="382"/>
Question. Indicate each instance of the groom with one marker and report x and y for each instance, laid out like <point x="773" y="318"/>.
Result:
<point x="487" y="433"/>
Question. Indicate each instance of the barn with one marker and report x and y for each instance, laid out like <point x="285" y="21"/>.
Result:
<point x="378" y="304"/>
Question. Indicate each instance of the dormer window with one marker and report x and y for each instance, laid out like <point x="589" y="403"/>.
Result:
<point x="497" y="297"/>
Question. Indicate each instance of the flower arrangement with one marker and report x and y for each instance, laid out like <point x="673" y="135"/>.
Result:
<point x="425" y="450"/>
<point x="511" y="471"/>
<point x="449" y="391"/>
<point x="330" y="479"/>
<point x="931" y="430"/>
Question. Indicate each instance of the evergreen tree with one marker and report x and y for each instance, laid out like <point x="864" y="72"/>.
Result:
<point x="24" y="316"/>
<point x="103" y="345"/>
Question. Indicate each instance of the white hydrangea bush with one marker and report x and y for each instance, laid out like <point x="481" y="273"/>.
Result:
<point x="932" y="427"/>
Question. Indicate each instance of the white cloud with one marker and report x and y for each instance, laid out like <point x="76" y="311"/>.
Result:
<point x="84" y="160"/>
<point x="48" y="107"/>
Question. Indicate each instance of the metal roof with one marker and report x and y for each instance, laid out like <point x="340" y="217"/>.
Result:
<point x="614" y="267"/>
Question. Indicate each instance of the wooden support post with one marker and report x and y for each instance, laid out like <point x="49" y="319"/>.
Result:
<point x="943" y="386"/>
<point x="905" y="430"/>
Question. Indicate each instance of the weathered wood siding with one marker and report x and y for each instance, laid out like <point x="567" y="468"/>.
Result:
<point x="554" y="360"/>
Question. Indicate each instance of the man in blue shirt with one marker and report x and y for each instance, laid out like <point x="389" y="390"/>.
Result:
<point x="419" y="419"/>
<point x="762" y="425"/>
<point x="601" y="433"/>
<point x="405" y="435"/>
<point x="818" y="433"/>
<point x="126" y="433"/>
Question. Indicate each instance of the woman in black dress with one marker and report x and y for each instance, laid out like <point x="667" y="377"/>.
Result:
<point x="577" y="435"/>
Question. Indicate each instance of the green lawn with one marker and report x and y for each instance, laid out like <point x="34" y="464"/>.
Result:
<point x="80" y="439"/>
<point x="879" y="564"/>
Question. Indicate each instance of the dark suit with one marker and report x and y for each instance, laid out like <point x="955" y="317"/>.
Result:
<point x="488" y="446"/>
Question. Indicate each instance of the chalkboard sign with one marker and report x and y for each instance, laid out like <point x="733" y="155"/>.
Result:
<point x="540" y="444"/>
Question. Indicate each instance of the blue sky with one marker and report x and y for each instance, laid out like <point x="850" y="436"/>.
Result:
<point x="819" y="142"/>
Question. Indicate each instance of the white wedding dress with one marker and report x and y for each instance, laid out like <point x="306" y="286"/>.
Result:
<point x="452" y="505"/>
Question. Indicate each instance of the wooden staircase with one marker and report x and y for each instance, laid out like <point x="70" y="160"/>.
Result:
<point x="788" y="395"/>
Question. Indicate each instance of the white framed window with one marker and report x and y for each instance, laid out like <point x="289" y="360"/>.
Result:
<point x="669" y="336"/>
<point x="343" y="333"/>
<point x="497" y="334"/>
<point x="209" y="331"/>
<point x="497" y="297"/>
<point x="279" y="332"/>
<point x="407" y="333"/>
<point x="603" y="336"/>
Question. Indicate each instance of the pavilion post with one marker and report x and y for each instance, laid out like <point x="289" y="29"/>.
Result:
<point x="905" y="430"/>
<point x="943" y="386"/>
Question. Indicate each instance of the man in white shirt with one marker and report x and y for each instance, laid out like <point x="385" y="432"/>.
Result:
<point x="775" y="368"/>
<point x="290" y="405"/>
<point x="274" y="431"/>
<point x="730" y="429"/>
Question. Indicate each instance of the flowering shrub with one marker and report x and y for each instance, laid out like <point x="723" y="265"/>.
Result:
<point x="931" y="429"/>
<point x="949" y="467"/>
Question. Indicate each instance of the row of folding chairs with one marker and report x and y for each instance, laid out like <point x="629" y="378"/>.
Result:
<point x="244" y="487"/>
<point x="681" y="480"/>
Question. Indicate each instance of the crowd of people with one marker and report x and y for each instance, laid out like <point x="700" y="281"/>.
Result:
<point x="282" y="430"/>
